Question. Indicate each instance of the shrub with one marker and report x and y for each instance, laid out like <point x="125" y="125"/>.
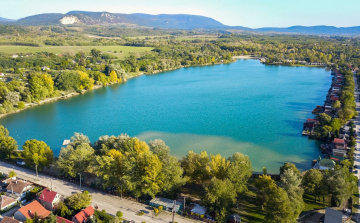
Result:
<point x="119" y="214"/>
<point x="21" y="105"/>
<point x="160" y="208"/>
<point x="2" y="110"/>
<point x="156" y="211"/>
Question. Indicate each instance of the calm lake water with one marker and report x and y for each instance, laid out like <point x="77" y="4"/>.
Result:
<point x="242" y="107"/>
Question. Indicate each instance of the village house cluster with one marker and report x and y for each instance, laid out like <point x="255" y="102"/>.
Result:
<point x="27" y="199"/>
<point x="335" y="150"/>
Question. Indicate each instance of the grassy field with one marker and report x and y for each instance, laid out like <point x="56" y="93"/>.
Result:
<point x="74" y="49"/>
<point x="200" y="37"/>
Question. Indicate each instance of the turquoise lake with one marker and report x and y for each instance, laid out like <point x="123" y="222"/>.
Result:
<point x="245" y="107"/>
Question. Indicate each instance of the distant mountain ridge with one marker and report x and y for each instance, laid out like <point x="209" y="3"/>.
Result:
<point x="6" y="20"/>
<point x="167" y="21"/>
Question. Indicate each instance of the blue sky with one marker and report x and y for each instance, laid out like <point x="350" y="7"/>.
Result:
<point x="249" y="13"/>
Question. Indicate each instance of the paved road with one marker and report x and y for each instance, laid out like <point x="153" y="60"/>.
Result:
<point x="111" y="204"/>
<point x="357" y="152"/>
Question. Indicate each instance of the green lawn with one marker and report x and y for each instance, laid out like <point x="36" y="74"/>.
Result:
<point x="74" y="49"/>
<point x="249" y="209"/>
<point x="310" y="203"/>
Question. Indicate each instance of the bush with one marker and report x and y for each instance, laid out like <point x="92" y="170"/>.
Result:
<point x="2" y="110"/>
<point x="21" y="105"/>
<point x="160" y="208"/>
<point x="156" y="211"/>
<point x="119" y="214"/>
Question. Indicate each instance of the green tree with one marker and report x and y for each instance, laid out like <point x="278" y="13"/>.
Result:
<point x="51" y="219"/>
<point x="263" y="184"/>
<point x="195" y="165"/>
<point x="277" y="206"/>
<point x="287" y="166"/>
<point x="336" y="105"/>
<point x="335" y="124"/>
<point x="220" y="196"/>
<point x="239" y="171"/>
<point x="73" y="161"/>
<point x="337" y="186"/>
<point x="63" y="210"/>
<point x="324" y="119"/>
<point x="37" y="154"/>
<point x="312" y="182"/>
<point x="291" y="183"/>
<point x="8" y="144"/>
<point x="79" y="201"/>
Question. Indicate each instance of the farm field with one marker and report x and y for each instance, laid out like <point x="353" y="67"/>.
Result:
<point x="122" y="51"/>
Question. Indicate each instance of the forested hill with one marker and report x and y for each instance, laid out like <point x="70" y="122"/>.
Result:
<point x="167" y="21"/>
<point x="6" y="20"/>
<point x="163" y="21"/>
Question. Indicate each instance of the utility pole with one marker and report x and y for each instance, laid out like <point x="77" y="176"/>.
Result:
<point x="184" y="205"/>
<point x="173" y="210"/>
<point x="80" y="180"/>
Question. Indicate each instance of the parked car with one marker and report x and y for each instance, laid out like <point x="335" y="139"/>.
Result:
<point x="356" y="166"/>
<point x="355" y="171"/>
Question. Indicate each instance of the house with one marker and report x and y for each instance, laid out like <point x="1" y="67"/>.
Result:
<point x="19" y="187"/>
<point x="340" y="144"/>
<point x="167" y="204"/>
<point x="234" y="218"/>
<point x="20" y="162"/>
<point x="6" y="202"/>
<point x="14" y="56"/>
<point x="45" y="68"/>
<point x="62" y="220"/>
<point x="332" y="216"/>
<point x="28" y="211"/>
<point x="49" y="198"/>
<point x="326" y="164"/>
<point x="7" y="219"/>
<point x="83" y="215"/>
<point x="310" y="123"/>
<point x="334" y="98"/>
<point x="198" y="210"/>
<point x="2" y="74"/>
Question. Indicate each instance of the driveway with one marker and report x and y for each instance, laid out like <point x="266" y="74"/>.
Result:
<point x="111" y="204"/>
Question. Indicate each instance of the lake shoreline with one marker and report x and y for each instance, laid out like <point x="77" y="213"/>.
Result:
<point x="72" y="94"/>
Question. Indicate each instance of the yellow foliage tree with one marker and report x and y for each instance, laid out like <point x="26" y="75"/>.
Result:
<point x="85" y="81"/>
<point x="113" y="77"/>
<point x="218" y="166"/>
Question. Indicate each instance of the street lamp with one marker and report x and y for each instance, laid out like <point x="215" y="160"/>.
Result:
<point x="80" y="179"/>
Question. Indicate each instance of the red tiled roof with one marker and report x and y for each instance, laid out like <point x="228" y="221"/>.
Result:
<point x="7" y="219"/>
<point x="336" y="140"/>
<point x="60" y="220"/>
<point x="34" y="207"/>
<point x="84" y="214"/>
<point x="48" y="195"/>
<point x="5" y="201"/>
<point x="334" y="98"/>
<point x="311" y="120"/>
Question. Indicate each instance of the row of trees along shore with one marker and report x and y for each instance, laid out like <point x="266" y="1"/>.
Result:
<point x="144" y="170"/>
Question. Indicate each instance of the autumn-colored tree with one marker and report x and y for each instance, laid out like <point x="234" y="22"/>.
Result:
<point x="113" y="77"/>
<point x="37" y="154"/>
